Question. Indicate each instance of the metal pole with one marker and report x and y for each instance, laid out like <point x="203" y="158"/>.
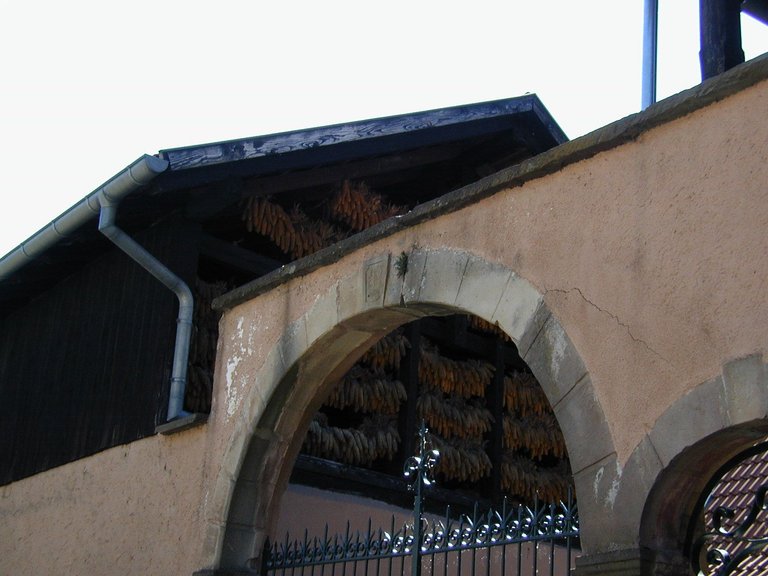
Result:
<point x="650" y="50"/>
<point x="416" y="553"/>
<point x="418" y="470"/>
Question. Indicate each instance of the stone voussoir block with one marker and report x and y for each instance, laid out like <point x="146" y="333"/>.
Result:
<point x="413" y="278"/>
<point x="350" y="295"/>
<point x="517" y="308"/>
<point x="745" y="385"/>
<point x="554" y="361"/>
<point x="638" y="477"/>
<point x="695" y="415"/>
<point x="482" y="287"/>
<point x="596" y="490"/>
<point x="443" y="275"/>
<point x="587" y="435"/>
<point x="293" y="343"/>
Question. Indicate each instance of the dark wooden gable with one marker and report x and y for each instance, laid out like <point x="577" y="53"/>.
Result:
<point x="86" y="335"/>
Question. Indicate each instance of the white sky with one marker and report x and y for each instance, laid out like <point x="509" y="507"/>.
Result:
<point x="86" y="87"/>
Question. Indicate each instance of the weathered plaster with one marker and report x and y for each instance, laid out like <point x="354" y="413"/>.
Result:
<point x="134" y="509"/>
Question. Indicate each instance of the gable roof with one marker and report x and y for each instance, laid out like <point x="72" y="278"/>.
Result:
<point x="197" y="180"/>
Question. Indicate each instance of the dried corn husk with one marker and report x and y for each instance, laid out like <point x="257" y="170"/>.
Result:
<point x="461" y="460"/>
<point x="359" y="208"/>
<point x="388" y="352"/>
<point x="454" y="417"/>
<point x="539" y="435"/>
<point x="465" y="378"/>
<point x="365" y="390"/>
<point x="523" y="394"/>
<point x="359" y="447"/>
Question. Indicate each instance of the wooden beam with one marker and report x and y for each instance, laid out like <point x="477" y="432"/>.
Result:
<point x="720" y="34"/>
<point x="496" y="405"/>
<point x="312" y="471"/>
<point x="206" y="203"/>
<point x="475" y="344"/>
<point x="236" y="257"/>
<point x="409" y="376"/>
<point x="291" y="181"/>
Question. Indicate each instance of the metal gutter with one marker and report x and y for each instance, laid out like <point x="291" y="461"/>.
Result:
<point x="103" y="203"/>
<point x="140" y="173"/>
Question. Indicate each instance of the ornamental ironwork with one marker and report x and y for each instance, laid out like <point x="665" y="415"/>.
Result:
<point x="735" y="535"/>
<point x="510" y="525"/>
<point x="731" y="543"/>
<point x="435" y="538"/>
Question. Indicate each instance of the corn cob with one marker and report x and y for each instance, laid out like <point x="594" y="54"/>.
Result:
<point x="388" y="352"/>
<point x="465" y="378"/>
<point x="365" y="390"/>
<point x="540" y="436"/>
<point x="454" y="417"/>
<point x="461" y="460"/>
<point x="359" y="208"/>
<point x="523" y="394"/>
<point x="481" y="325"/>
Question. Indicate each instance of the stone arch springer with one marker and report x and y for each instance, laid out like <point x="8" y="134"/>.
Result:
<point x="657" y="488"/>
<point x="388" y="290"/>
<point x="688" y="444"/>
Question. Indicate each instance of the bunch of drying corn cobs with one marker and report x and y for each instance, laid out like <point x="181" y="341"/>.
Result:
<point x="523" y="394"/>
<point x="368" y="388"/>
<point x="484" y="326"/>
<point x="462" y="459"/>
<point x="453" y="404"/>
<point x="354" y="206"/>
<point x="365" y="390"/>
<point x="465" y="378"/>
<point x="454" y="417"/>
<point x="202" y="352"/>
<point x="388" y="352"/>
<point x="294" y="234"/>
<point x="521" y="476"/>
<point x="357" y="446"/>
<point x="540" y="436"/>
<point x="359" y="208"/>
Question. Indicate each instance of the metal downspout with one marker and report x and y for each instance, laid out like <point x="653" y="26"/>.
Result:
<point x="103" y="202"/>
<point x="152" y="265"/>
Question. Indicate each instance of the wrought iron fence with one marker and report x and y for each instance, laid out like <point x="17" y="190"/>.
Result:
<point x="514" y="539"/>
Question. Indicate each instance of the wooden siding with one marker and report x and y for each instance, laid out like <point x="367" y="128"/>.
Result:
<point x="86" y="365"/>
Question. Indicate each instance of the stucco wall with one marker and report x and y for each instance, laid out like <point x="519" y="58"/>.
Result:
<point x="134" y="509"/>
<point x="652" y="256"/>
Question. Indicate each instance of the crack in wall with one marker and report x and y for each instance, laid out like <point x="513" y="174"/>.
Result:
<point x="614" y="317"/>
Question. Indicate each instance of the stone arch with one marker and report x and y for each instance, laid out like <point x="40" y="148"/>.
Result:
<point x="664" y="477"/>
<point x="314" y="351"/>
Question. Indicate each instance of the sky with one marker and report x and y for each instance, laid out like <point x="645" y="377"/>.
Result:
<point x="87" y="87"/>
